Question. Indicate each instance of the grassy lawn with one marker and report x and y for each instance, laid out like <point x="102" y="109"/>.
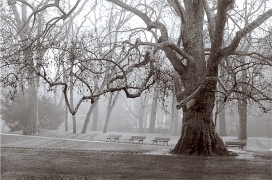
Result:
<point x="42" y="164"/>
<point x="67" y="156"/>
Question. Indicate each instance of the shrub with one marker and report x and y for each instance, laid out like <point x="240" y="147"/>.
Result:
<point x="15" y="113"/>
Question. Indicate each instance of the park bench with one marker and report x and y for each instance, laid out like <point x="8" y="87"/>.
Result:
<point x="137" y="138"/>
<point x="115" y="137"/>
<point x="161" y="139"/>
<point x="235" y="144"/>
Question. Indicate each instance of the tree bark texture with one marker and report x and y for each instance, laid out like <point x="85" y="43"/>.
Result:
<point x="198" y="136"/>
<point x="33" y="122"/>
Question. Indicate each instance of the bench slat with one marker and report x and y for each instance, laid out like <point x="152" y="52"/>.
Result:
<point x="161" y="139"/>
<point x="115" y="137"/>
<point x="235" y="144"/>
<point x="140" y="138"/>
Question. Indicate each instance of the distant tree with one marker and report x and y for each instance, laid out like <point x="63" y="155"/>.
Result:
<point x="220" y="112"/>
<point x="26" y="28"/>
<point x="15" y="112"/>
<point x="142" y="109"/>
<point x="174" y="130"/>
<point x="153" y="115"/>
<point x="51" y="115"/>
<point x="112" y="101"/>
<point x="245" y="71"/>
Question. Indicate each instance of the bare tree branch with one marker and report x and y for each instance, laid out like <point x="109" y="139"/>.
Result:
<point x="230" y="49"/>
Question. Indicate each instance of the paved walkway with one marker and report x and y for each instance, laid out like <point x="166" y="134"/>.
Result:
<point x="74" y="141"/>
<point x="97" y="141"/>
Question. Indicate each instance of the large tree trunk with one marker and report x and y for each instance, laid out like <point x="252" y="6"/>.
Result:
<point x="153" y="113"/>
<point x="198" y="136"/>
<point x="33" y="121"/>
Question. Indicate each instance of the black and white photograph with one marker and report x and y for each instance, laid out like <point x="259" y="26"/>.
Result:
<point x="136" y="89"/>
